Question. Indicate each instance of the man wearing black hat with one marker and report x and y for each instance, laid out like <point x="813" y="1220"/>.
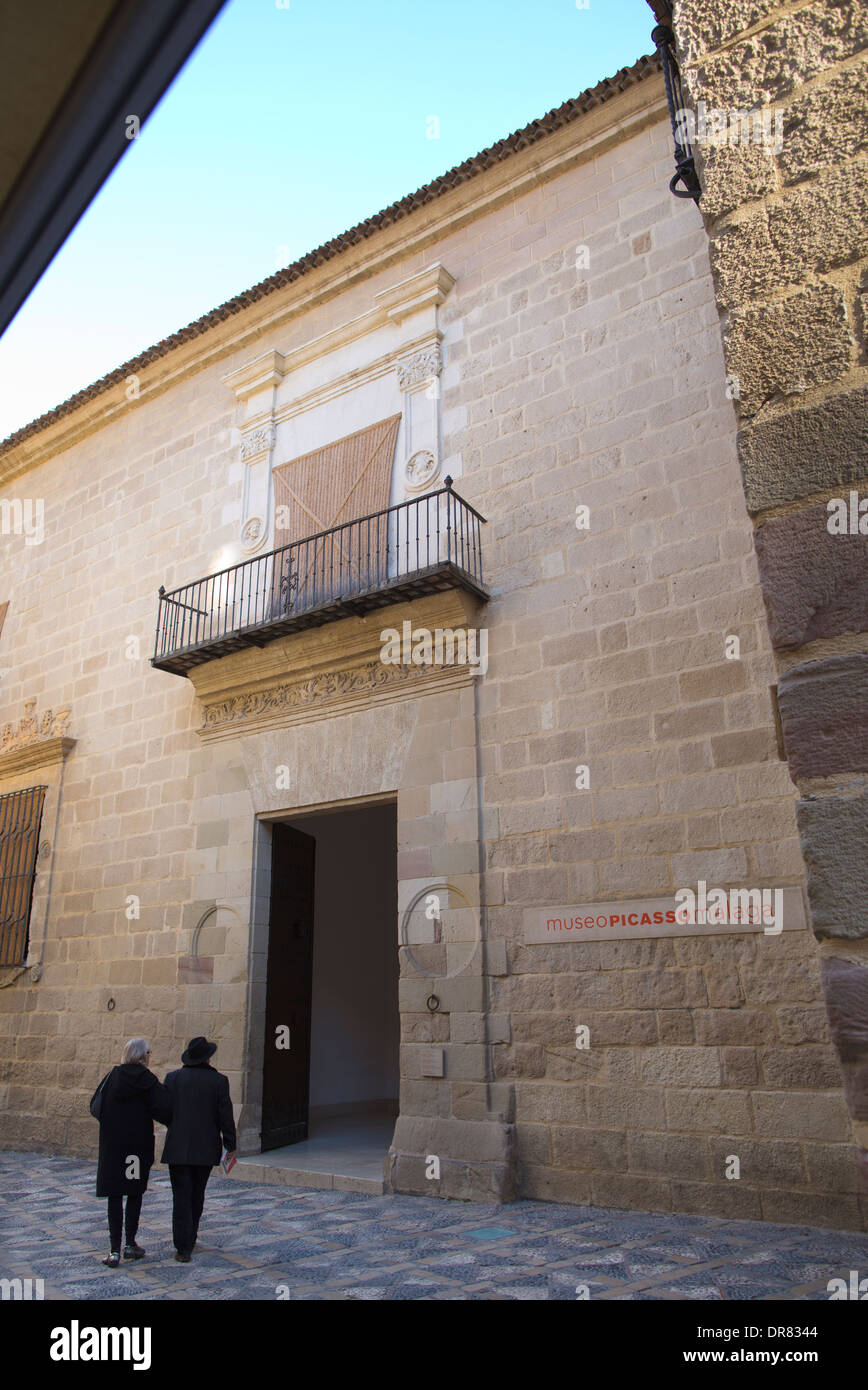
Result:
<point x="202" y="1121"/>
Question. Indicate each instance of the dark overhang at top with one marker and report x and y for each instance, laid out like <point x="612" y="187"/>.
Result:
<point x="70" y="76"/>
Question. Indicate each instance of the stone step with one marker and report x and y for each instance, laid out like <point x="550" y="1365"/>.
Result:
<point x="348" y="1173"/>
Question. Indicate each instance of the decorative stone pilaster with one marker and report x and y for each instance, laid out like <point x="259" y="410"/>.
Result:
<point x="412" y="305"/>
<point x="256" y="447"/>
<point x="419" y="380"/>
<point x="254" y="386"/>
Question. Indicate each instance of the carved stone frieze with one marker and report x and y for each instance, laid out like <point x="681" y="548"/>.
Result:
<point x="34" y="728"/>
<point x="328" y="672"/>
<point x="329" y="685"/>
<point x="36" y="742"/>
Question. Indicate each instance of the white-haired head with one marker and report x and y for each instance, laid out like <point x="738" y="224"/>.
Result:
<point x="137" y="1050"/>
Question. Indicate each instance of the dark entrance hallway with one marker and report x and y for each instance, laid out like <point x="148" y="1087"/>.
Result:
<point x="330" y="1098"/>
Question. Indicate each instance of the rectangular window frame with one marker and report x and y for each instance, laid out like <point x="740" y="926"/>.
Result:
<point x="20" y="824"/>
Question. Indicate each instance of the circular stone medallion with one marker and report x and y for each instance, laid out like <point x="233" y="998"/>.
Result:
<point x="420" y="469"/>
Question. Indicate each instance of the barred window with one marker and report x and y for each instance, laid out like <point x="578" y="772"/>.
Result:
<point x="20" y="817"/>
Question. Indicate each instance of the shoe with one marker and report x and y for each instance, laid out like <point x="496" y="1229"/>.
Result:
<point x="112" y="1259"/>
<point x="182" y="1256"/>
<point x="132" y="1251"/>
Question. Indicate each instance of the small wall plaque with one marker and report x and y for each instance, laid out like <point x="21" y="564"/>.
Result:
<point x="432" y="1061"/>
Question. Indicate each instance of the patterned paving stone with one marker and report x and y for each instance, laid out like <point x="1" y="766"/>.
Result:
<point x="229" y="1291"/>
<point x="831" y="1251"/>
<point x="296" y="1278"/>
<point x="694" y="1249"/>
<point x="119" y="1286"/>
<point x="477" y="1270"/>
<point x="416" y="1281"/>
<point x="282" y="1251"/>
<point x="412" y="1290"/>
<point x="333" y="1268"/>
<point x="551" y="1248"/>
<point x="608" y="1273"/>
<point x="326" y="1245"/>
<point x="366" y="1233"/>
<point x="537" y="1288"/>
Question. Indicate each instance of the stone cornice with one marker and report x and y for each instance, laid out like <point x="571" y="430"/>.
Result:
<point x="632" y="110"/>
<point x="423" y="291"/>
<point x="35" y="755"/>
<point x="261" y="374"/>
<point x="427" y="290"/>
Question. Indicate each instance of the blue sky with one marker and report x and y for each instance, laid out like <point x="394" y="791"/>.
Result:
<point x="288" y="125"/>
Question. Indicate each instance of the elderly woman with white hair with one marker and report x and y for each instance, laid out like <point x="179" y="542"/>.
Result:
<point x="126" y="1103"/>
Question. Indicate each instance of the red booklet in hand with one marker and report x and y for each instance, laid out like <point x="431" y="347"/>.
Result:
<point x="228" y="1161"/>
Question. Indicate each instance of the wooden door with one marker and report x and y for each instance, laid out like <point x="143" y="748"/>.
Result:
<point x="289" y="988"/>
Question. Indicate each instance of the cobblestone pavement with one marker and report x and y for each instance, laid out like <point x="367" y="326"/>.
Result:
<point x="344" y="1245"/>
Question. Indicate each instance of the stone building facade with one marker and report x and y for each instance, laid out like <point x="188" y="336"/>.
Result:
<point x="541" y="327"/>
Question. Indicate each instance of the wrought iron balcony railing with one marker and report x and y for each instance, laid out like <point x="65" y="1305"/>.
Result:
<point x="418" y="547"/>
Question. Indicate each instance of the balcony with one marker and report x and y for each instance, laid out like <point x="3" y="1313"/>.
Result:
<point x="423" y="546"/>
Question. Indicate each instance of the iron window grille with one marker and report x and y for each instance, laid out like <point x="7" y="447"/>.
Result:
<point x="20" y="819"/>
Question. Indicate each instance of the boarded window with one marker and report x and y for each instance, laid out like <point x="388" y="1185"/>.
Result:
<point x="20" y="817"/>
<point x="328" y="488"/>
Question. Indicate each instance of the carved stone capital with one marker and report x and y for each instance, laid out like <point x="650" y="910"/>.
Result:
<point x="421" y="367"/>
<point x="258" y="441"/>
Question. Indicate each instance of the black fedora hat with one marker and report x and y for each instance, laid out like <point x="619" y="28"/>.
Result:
<point x="198" y="1050"/>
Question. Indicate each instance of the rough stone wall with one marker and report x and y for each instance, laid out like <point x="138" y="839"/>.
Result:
<point x="788" y="228"/>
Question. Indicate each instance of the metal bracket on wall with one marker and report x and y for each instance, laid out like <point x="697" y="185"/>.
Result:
<point x="663" y="38"/>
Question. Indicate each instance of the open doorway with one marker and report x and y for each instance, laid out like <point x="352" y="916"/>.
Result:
<point x="330" y="1079"/>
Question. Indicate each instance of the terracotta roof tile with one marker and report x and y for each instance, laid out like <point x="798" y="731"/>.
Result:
<point x="522" y="139"/>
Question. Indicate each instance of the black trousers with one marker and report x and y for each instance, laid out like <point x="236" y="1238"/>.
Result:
<point x="189" y="1181"/>
<point x="128" y="1220"/>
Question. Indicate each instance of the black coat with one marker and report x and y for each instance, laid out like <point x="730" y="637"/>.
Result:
<point x="132" y="1099"/>
<point x="201" y="1115"/>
